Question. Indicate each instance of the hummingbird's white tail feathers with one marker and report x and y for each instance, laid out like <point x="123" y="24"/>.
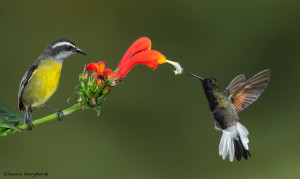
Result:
<point x="243" y="133"/>
<point x="234" y="142"/>
<point x="226" y="144"/>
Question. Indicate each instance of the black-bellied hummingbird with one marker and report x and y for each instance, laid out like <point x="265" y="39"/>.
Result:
<point x="225" y="106"/>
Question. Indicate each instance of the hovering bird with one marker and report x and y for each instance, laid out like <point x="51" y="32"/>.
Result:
<point x="225" y="106"/>
<point x="42" y="78"/>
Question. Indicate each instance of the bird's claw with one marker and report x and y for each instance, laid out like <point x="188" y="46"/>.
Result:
<point x="60" y="115"/>
<point x="59" y="112"/>
<point x="29" y="124"/>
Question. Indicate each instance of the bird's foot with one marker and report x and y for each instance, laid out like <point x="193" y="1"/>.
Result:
<point x="59" y="112"/>
<point x="60" y="115"/>
<point x="29" y="124"/>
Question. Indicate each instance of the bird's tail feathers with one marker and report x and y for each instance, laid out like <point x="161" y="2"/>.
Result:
<point x="234" y="142"/>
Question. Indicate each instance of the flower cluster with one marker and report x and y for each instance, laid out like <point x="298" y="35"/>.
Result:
<point x="138" y="53"/>
<point x="94" y="87"/>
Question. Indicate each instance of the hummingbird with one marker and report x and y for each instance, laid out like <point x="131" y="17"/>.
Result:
<point x="224" y="108"/>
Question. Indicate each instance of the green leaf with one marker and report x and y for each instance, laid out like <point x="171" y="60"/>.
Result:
<point x="5" y="124"/>
<point x="9" y="118"/>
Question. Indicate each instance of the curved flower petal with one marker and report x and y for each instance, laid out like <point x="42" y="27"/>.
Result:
<point x="92" y="67"/>
<point x="106" y="72"/>
<point x="150" y="58"/>
<point x="101" y="67"/>
<point x="138" y="46"/>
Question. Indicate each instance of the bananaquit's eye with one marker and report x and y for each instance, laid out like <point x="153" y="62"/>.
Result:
<point x="69" y="47"/>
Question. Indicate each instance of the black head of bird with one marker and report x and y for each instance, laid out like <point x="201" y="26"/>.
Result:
<point x="224" y="107"/>
<point x="210" y="85"/>
<point x="61" y="49"/>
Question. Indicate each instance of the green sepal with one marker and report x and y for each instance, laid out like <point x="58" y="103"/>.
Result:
<point x="79" y="87"/>
<point x="114" y="79"/>
<point x="69" y="99"/>
<point x="79" y="93"/>
<point x="115" y="71"/>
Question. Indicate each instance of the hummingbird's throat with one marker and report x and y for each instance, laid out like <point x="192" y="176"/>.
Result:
<point x="212" y="97"/>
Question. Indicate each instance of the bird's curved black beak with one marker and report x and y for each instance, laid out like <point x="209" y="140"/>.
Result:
<point x="200" y="78"/>
<point x="79" y="51"/>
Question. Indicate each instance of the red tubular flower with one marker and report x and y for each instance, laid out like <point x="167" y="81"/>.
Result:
<point x="138" y="53"/>
<point x="150" y="58"/>
<point x="138" y="46"/>
<point x="100" y="71"/>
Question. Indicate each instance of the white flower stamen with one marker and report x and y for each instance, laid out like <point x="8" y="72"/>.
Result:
<point x="178" y="69"/>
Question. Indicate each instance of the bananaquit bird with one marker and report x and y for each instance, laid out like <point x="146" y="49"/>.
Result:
<point x="42" y="78"/>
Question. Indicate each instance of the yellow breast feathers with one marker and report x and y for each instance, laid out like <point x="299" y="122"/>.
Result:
<point x="42" y="84"/>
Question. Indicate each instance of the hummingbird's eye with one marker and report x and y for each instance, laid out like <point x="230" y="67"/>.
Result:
<point x="210" y="80"/>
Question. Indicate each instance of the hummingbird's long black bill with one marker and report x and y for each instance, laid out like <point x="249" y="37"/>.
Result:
<point x="79" y="51"/>
<point x="202" y="79"/>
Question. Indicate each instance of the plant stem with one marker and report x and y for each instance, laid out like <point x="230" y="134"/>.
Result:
<point x="99" y="90"/>
<point x="68" y="111"/>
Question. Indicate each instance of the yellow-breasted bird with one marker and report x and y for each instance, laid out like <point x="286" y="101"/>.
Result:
<point x="42" y="78"/>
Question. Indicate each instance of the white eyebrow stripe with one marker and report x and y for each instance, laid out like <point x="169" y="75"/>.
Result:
<point x="62" y="43"/>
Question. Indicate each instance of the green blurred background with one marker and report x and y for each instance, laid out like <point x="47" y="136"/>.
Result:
<point x="156" y="125"/>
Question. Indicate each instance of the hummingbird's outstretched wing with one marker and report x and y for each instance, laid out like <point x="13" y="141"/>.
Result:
<point x="234" y="85"/>
<point x="250" y="91"/>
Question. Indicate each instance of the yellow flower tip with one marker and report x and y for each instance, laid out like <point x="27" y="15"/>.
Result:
<point x="161" y="59"/>
<point x="178" y="69"/>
